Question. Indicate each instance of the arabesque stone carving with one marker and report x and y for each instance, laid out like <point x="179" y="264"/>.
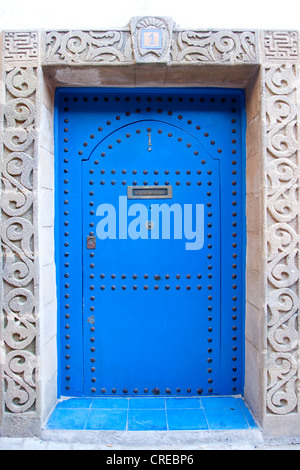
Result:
<point x="218" y="46"/>
<point x="18" y="243"/>
<point x="178" y="46"/>
<point x="283" y="238"/>
<point x="88" y="47"/>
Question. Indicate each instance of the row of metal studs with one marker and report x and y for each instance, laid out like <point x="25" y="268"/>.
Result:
<point x="66" y="264"/>
<point x="234" y="255"/>
<point x="117" y="99"/>
<point x="155" y="391"/>
<point x="159" y="131"/>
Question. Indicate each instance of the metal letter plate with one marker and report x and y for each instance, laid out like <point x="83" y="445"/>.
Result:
<point x="149" y="192"/>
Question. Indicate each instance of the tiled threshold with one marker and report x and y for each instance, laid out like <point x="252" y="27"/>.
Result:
<point x="152" y="414"/>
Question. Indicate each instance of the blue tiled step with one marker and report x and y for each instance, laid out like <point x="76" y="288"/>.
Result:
<point x="152" y="414"/>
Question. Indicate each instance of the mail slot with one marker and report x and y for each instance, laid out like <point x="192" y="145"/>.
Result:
<point x="149" y="192"/>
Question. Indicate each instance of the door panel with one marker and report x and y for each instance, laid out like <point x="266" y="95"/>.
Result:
<point x="145" y="313"/>
<point x="149" y="297"/>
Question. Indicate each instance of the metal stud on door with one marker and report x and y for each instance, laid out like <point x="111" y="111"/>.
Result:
<point x="154" y="187"/>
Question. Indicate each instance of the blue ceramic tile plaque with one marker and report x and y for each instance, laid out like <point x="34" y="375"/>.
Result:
<point x="151" y="38"/>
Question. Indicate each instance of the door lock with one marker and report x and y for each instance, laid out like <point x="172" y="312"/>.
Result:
<point x="90" y="243"/>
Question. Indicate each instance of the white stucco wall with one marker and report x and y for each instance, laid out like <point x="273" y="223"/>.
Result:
<point x="95" y="14"/>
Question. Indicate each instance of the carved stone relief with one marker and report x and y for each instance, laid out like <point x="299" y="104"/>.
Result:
<point x="18" y="224"/>
<point x="82" y="47"/>
<point x="151" y="39"/>
<point x="281" y="45"/>
<point x="218" y="46"/>
<point x="21" y="46"/>
<point x="164" y="45"/>
<point x="282" y="159"/>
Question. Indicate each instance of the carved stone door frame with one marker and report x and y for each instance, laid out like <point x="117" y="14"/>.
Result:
<point x="33" y="64"/>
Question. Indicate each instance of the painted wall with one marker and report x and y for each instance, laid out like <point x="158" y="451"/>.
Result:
<point x="94" y="14"/>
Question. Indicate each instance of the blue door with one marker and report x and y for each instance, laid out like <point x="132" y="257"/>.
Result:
<point x="150" y="241"/>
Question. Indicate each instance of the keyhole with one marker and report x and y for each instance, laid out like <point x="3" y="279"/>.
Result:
<point x="149" y="225"/>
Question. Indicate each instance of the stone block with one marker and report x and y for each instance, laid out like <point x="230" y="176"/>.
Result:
<point x="89" y="76"/>
<point x="20" y="425"/>
<point x="255" y="288"/>
<point x="254" y="97"/>
<point x="195" y="75"/>
<point x="48" y="377"/>
<point x="46" y="208"/>
<point x="47" y="284"/>
<point x="255" y="251"/>
<point x="150" y="76"/>
<point x="48" y="326"/>
<point x="254" y="213"/>
<point x="46" y="171"/>
<point x="46" y="245"/>
<point x="255" y="178"/>
<point x="254" y="137"/>
<point x="46" y="130"/>
<point x="254" y="381"/>
<point x="48" y="92"/>
<point x="254" y="325"/>
<point x="283" y="427"/>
